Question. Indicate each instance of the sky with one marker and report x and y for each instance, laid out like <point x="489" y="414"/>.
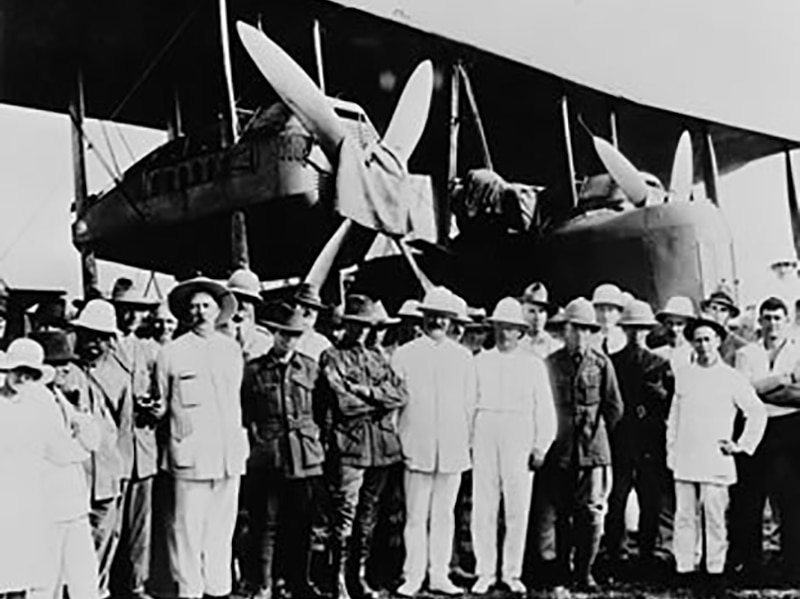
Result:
<point x="36" y="188"/>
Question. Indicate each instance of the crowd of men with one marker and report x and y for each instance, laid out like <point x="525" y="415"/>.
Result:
<point x="189" y="435"/>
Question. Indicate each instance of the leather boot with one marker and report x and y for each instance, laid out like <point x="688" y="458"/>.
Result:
<point x="587" y="546"/>
<point x="340" y="564"/>
<point x="359" y="585"/>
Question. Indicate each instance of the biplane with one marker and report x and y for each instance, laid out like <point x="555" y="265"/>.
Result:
<point x="243" y="179"/>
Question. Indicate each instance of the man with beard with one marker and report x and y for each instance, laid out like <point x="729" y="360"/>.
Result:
<point x="109" y="390"/>
<point x="137" y="441"/>
<point x="436" y="432"/>
<point x="199" y="377"/>
<point x="364" y="393"/>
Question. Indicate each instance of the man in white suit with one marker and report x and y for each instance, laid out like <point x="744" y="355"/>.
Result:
<point x="435" y="430"/>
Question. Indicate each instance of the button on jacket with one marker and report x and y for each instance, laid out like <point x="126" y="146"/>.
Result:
<point x="588" y="406"/>
<point x="364" y="392"/>
<point x="435" y="425"/>
<point x="278" y="400"/>
<point x="200" y="380"/>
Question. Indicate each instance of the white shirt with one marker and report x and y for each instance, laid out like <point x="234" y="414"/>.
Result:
<point x="679" y="356"/>
<point x="542" y="345"/>
<point x="435" y="426"/>
<point x="702" y="414"/>
<point x="753" y="361"/>
<point x="517" y="383"/>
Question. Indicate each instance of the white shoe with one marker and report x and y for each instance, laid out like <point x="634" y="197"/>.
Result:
<point x="445" y="587"/>
<point x="483" y="584"/>
<point x="407" y="589"/>
<point x="515" y="585"/>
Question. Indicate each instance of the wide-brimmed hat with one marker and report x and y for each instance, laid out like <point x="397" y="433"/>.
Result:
<point x="182" y="293"/>
<point x="410" y="309"/>
<point x="97" y="315"/>
<point x="608" y="294"/>
<point x="508" y="312"/>
<point x="704" y="321"/>
<point x="359" y="309"/>
<point x="382" y="316"/>
<point x="477" y="318"/>
<point x="680" y="306"/>
<point x="581" y="312"/>
<point x="27" y="353"/>
<point x="284" y="317"/>
<point x="440" y="300"/>
<point x="244" y="284"/>
<point x="558" y="319"/>
<point x="308" y="295"/>
<point x="58" y="346"/>
<point x="462" y="310"/>
<point x="723" y="296"/>
<point x="127" y="294"/>
<point x="638" y="313"/>
<point x="536" y="293"/>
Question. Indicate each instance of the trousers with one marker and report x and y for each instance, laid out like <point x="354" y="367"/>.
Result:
<point x="285" y="505"/>
<point x="700" y="510"/>
<point x="500" y="471"/>
<point x="70" y="560"/>
<point x="356" y="498"/>
<point x="645" y="473"/>
<point x="201" y="535"/>
<point x="131" y="568"/>
<point x="430" y="521"/>
<point x="105" y="522"/>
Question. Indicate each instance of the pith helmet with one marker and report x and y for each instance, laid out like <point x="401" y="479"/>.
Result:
<point x="638" y="314"/>
<point x="508" y="312"/>
<point x="27" y="353"/>
<point x="382" y="316"/>
<point x="536" y="293"/>
<point x="244" y="284"/>
<point x="680" y="306"/>
<point x="98" y="315"/>
<point x="440" y="300"/>
<point x="608" y="294"/>
<point x="410" y="309"/>
<point x="580" y="312"/>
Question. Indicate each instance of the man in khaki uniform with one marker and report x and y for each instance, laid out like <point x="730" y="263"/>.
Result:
<point x="199" y="375"/>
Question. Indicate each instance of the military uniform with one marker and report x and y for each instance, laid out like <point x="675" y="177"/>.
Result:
<point x="588" y="407"/>
<point x="364" y="393"/>
<point x="287" y="455"/>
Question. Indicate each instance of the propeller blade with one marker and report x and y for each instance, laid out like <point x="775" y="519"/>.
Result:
<point x="791" y="194"/>
<point x="625" y="175"/>
<point x="680" y="183"/>
<point x="322" y="265"/>
<point x="423" y="279"/>
<point x="410" y="116"/>
<point x="295" y="88"/>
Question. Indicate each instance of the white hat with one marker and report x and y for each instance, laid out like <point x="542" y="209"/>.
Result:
<point x="637" y="313"/>
<point x="462" y="314"/>
<point x="244" y="283"/>
<point x="98" y="315"/>
<point x="581" y="312"/>
<point x="410" y="309"/>
<point x="608" y="294"/>
<point x="27" y="353"/>
<point x="508" y="312"/>
<point x="680" y="306"/>
<point x="442" y="301"/>
<point x="383" y="316"/>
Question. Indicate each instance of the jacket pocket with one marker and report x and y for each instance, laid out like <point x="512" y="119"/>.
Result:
<point x="190" y="388"/>
<point x="590" y="386"/>
<point x="350" y="441"/>
<point x="183" y="453"/>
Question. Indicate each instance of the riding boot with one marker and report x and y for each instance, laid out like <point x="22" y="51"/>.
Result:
<point x="340" y="566"/>
<point x="358" y="579"/>
<point x="587" y="546"/>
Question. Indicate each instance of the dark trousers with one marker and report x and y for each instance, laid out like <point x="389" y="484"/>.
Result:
<point x="276" y="499"/>
<point x="774" y="469"/>
<point x="463" y="559"/>
<point x="131" y="568"/>
<point x="645" y="473"/>
<point x="356" y="500"/>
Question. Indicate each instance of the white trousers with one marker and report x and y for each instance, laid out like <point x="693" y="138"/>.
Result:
<point x="202" y="535"/>
<point x="696" y="505"/>
<point x="430" y="522"/>
<point x="69" y="559"/>
<point x="500" y="470"/>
